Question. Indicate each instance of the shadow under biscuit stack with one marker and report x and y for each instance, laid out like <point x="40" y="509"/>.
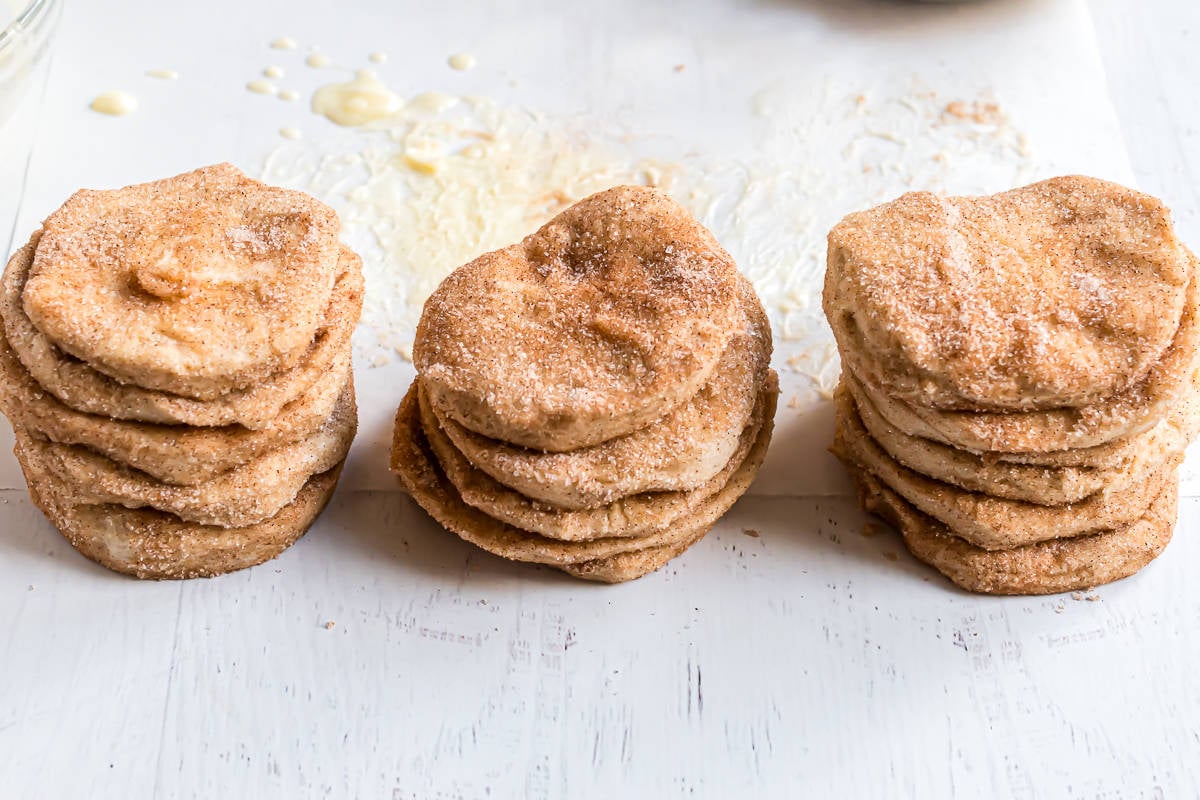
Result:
<point x="175" y="363"/>
<point x="1019" y="379"/>
<point x="593" y="398"/>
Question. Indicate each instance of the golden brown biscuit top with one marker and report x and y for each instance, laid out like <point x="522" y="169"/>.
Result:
<point x="611" y="314"/>
<point x="197" y="284"/>
<point x="1055" y="294"/>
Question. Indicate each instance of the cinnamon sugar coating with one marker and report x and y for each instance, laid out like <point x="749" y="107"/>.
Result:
<point x="1060" y="565"/>
<point x="175" y="361"/>
<point x="605" y="319"/>
<point x="246" y="495"/>
<point x="79" y="386"/>
<point x="1125" y="414"/>
<point x="155" y="545"/>
<point x="682" y="451"/>
<point x="995" y="523"/>
<point x="1059" y="294"/>
<point x="633" y="516"/>
<point x="178" y="454"/>
<point x="608" y="559"/>
<point x="1051" y="479"/>
<point x="199" y="285"/>
<point x="1020" y="379"/>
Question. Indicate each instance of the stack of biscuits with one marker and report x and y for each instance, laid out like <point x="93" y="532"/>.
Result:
<point x="593" y="398"/>
<point x="175" y="363"/>
<point x="1019" y="379"/>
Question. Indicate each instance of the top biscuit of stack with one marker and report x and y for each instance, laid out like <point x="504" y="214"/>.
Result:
<point x="585" y="341"/>
<point x="951" y="303"/>
<point x="150" y="290"/>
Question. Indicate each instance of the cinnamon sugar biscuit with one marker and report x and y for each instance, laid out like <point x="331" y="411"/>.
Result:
<point x="247" y="495"/>
<point x="81" y="387"/>
<point x="682" y="451"/>
<point x="1060" y="565"/>
<point x="612" y="314"/>
<point x="419" y="469"/>
<point x="993" y="523"/>
<point x="634" y="516"/>
<point x="198" y="285"/>
<point x="176" y="454"/>
<point x="156" y="545"/>
<point x="995" y="475"/>
<point x="1060" y="294"/>
<point x="1121" y="416"/>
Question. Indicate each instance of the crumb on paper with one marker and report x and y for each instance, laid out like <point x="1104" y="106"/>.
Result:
<point x="753" y="534"/>
<point x="1091" y="598"/>
<point x="870" y="529"/>
<point x="680" y="67"/>
<point x="891" y="555"/>
<point x="329" y="625"/>
<point x="794" y="402"/>
<point x="984" y="112"/>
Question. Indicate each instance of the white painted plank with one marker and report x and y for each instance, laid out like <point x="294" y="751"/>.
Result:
<point x="85" y="665"/>
<point x="806" y="657"/>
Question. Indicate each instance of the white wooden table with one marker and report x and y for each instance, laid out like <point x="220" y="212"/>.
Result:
<point x="811" y="661"/>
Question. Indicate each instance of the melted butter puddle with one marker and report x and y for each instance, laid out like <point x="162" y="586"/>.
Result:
<point x="357" y="102"/>
<point x="115" y="104"/>
<point x="433" y="102"/>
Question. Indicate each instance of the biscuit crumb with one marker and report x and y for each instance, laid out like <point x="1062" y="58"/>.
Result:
<point x="680" y="67"/>
<point x="891" y="556"/>
<point x="329" y="625"/>
<point x="1077" y="595"/>
<point x="982" y="112"/>
<point x="1091" y="598"/>
<point x="752" y="533"/>
<point x="870" y="529"/>
<point x="794" y="402"/>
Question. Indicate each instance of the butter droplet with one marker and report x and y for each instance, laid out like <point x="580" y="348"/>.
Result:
<point x="291" y="133"/>
<point x="115" y="104"/>
<point x="378" y="58"/>
<point x="433" y="102"/>
<point x="273" y="72"/>
<point x="318" y="60"/>
<point x="290" y="95"/>
<point x="261" y="87"/>
<point x="461" y="61"/>
<point x="284" y="43"/>
<point x="357" y="102"/>
<point x="162" y="74"/>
